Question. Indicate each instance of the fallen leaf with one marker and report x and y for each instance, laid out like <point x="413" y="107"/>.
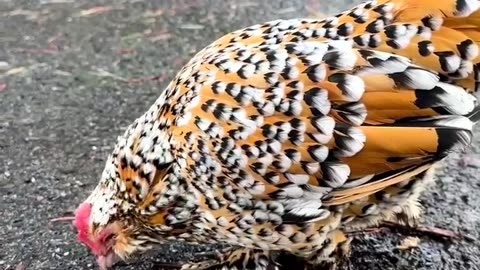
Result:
<point x="247" y="4"/>
<point x="153" y="13"/>
<point x="286" y="10"/>
<point x="132" y="36"/>
<point x="20" y="266"/>
<point x="37" y="51"/>
<point x="409" y="243"/>
<point x="95" y="11"/>
<point x="3" y="87"/>
<point x="16" y="71"/>
<point x="103" y="73"/>
<point x="62" y="73"/>
<point x="160" y="37"/>
<point x="126" y="52"/>
<point x="191" y="26"/>
<point x="44" y="2"/>
<point x="29" y="15"/>
<point x="145" y="79"/>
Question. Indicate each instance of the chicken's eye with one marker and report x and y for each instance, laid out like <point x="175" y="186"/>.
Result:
<point x="108" y="238"/>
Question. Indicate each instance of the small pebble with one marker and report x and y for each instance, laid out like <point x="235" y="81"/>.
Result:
<point x="4" y="66"/>
<point x="446" y="179"/>
<point x="409" y="243"/>
<point x="78" y="183"/>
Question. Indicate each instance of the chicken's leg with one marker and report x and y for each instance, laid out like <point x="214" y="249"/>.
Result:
<point x="425" y="230"/>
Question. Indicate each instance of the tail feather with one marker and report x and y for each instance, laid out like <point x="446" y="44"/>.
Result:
<point x="474" y="116"/>
<point x="439" y="36"/>
<point x="442" y="36"/>
<point x="470" y="27"/>
<point x="454" y="37"/>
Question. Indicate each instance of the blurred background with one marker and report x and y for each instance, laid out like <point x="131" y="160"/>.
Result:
<point x="75" y="73"/>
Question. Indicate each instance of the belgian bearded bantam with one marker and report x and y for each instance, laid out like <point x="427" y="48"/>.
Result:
<point x="282" y="136"/>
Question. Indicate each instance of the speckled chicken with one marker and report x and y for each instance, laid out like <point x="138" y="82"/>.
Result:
<point x="282" y="136"/>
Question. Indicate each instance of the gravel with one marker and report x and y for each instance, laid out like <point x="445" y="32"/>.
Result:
<point x="74" y="74"/>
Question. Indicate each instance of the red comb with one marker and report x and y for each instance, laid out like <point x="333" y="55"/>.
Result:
<point x="82" y="216"/>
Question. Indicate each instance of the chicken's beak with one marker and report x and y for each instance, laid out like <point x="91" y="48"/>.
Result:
<point x="106" y="261"/>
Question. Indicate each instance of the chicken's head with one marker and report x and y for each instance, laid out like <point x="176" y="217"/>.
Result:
<point x="100" y="242"/>
<point x="126" y="212"/>
<point x="102" y="227"/>
<point x="111" y="225"/>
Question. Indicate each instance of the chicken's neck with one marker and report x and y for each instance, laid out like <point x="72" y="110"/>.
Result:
<point x="150" y="174"/>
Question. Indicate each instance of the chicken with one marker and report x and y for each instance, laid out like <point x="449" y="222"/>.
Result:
<point x="280" y="137"/>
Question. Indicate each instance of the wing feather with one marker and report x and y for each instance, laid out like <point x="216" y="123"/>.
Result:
<point x="324" y="112"/>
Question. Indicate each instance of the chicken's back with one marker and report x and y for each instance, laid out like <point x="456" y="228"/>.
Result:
<point x="356" y="102"/>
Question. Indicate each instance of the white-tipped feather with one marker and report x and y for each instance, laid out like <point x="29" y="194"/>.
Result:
<point x="306" y="209"/>
<point x="419" y="79"/>
<point x="320" y="153"/>
<point x="352" y="143"/>
<point x="321" y="102"/>
<point x="469" y="7"/>
<point x="346" y="57"/>
<point x="358" y="182"/>
<point x="454" y="121"/>
<point x="354" y="87"/>
<point x="452" y="63"/>
<point x="325" y="124"/>
<point x="461" y="101"/>
<point x="389" y="64"/>
<point x="298" y="179"/>
<point x="337" y="174"/>
<point x="292" y="191"/>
